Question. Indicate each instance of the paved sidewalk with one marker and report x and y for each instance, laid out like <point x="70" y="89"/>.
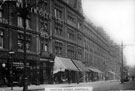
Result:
<point x="41" y="87"/>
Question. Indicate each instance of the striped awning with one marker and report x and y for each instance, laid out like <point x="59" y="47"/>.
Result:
<point x="80" y="65"/>
<point x="61" y="64"/>
<point x="94" y="69"/>
<point x="112" y="72"/>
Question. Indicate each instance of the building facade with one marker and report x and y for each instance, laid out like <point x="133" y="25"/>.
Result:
<point x="38" y="54"/>
<point x="54" y="28"/>
<point x="100" y="51"/>
<point x="67" y="27"/>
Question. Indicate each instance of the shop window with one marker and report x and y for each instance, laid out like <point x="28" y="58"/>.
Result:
<point x="21" y="41"/>
<point x="1" y="38"/>
<point x="58" y="48"/>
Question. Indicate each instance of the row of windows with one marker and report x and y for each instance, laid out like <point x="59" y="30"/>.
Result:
<point x="92" y="47"/>
<point x="70" y="50"/>
<point x="58" y="11"/>
<point x="44" y="46"/>
<point x="71" y="34"/>
<point x="58" y="28"/>
<point x="71" y="17"/>
<point x="21" y="41"/>
<point x="20" y="22"/>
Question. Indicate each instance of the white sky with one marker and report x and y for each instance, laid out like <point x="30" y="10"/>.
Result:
<point x="117" y="17"/>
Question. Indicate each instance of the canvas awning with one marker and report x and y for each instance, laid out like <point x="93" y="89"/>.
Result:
<point x="80" y="65"/>
<point x="112" y="72"/>
<point x="60" y="64"/>
<point x="94" y="69"/>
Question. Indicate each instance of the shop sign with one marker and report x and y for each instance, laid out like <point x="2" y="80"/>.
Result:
<point x="18" y="64"/>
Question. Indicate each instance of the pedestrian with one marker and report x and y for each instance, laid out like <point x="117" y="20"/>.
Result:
<point x="69" y="77"/>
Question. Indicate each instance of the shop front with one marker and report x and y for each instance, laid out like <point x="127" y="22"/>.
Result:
<point x="64" y="71"/>
<point x="94" y="74"/>
<point x="46" y="66"/>
<point x="17" y="69"/>
<point x="111" y="75"/>
<point x="82" y="70"/>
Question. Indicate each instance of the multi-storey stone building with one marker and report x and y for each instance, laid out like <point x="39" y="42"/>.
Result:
<point x="37" y="42"/>
<point x="67" y="29"/>
<point x="54" y="28"/>
<point x="100" y="52"/>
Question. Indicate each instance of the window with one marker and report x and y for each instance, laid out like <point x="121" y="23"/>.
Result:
<point x="71" y="34"/>
<point x="58" y="28"/>
<point x="79" y="53"/>
<point x="71" y="17"/>
<point x="58" y="11"/>
<point x="1" y="38"/>
<point x="44" y="47"/>
<point x="21" y="41"/>
<point x="71" y="51"/>
<point x="20" y="22"/>
<point x="27" y="23"/>
<point x="79" y="37"/>
<point x="44" y="24"/>
<point x="79" y="25"/>
<point x="0" y="14"/>
<point x="58" y="48"/>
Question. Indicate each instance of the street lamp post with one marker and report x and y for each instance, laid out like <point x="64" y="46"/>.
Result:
<point x="24" y="15"/>
<point x="11" y="68"/>
<point x="24" y="12"/>
<point x="122" y="62"/>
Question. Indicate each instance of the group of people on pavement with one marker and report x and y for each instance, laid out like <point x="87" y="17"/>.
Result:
<point x="62" y="77"/>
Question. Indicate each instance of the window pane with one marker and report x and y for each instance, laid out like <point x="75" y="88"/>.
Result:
<point x="1" y="42"/>
<point x="45" y="47"/>
<point x="20" y="21"/>
<point x="0" y="14"/>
